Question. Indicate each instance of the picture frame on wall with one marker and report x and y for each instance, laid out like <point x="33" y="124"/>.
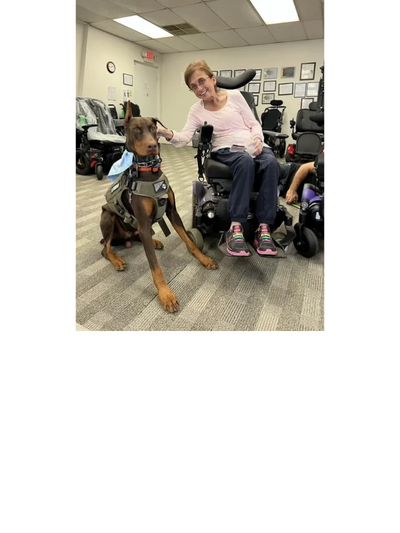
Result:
<point x="305" y="102"/>
<point x="238" y="72"/>
<point x="288" y="72"/>
<point x="285" y="88"/>
<point x="271" y="73"/>
<point x="127" y="79"/>
<point x="255" y="96"/>
<point x="267" y="97"/>
<point x="300" y="90"/>
<point x="225" y="73"/>
<point x="312" y="89"/>
<point x="269" y="86"/>
<point x="257" y="77"/>
<point x="307" y="71"/>
<point x="215" y="72"/>
<point x="254" y="87"/>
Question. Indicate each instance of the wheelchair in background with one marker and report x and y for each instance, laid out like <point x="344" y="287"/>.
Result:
<point x="312" y="214"/>
<point x="212" y="189"/>
<point x="271" y="123"/>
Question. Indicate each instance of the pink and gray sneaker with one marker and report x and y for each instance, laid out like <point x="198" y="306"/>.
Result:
<point x="263" y="242"/>
<point x="235" y="243"/>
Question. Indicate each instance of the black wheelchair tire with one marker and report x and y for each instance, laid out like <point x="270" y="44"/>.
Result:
<point x="99" y="172"/>
<point x="309" y="246"/>
<point x="82" y="163"/>
<point x="194" y="208"/>
<point x="282" y="148"/>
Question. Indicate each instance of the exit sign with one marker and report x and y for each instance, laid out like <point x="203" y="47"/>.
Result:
<point x="148" y="55"/>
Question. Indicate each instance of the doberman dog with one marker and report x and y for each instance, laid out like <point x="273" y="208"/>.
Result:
<point x="144" y="175"/>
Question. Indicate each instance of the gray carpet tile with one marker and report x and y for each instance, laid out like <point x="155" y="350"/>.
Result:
<point x="245" y="294"/>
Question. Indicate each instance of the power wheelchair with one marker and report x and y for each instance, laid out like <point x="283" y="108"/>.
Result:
<point x="271" y="123"/>
<point x="311" y="216"/>
<point x="211" y="191"/>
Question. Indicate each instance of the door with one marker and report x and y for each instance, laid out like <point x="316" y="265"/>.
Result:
<point x="146" y="89"/>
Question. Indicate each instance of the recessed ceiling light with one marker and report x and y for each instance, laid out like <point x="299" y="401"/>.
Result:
<point x="143" y="26"/>
<point x="276" y="11"/>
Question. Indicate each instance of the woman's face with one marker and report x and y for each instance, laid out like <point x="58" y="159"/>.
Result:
<point x="202" y="85"/>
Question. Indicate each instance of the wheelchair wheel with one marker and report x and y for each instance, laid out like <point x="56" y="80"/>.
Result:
<point x="82" y="163"/>
<point x="196" y="236"/>
<point x="99" y="172"/>
<point x="309" y="246"/>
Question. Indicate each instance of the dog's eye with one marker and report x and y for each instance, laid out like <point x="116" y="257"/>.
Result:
<point x="137" y="130"/>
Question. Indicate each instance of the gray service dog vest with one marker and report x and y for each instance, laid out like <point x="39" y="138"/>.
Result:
<point x="157" y="189"/>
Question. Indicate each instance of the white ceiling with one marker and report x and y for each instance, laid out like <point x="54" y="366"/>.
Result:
<point x="221" y="23"/>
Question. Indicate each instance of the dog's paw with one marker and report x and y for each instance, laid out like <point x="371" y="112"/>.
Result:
<point x="168" y="300"/>
<point x="158" y="245"/>
<point x="210" y="264"/>
<point x="118" y="263"/>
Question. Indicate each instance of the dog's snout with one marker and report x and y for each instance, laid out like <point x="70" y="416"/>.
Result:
<point x="151" y="145"/>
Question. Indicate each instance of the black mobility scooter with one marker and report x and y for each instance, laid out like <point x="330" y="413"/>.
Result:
<point x="98" y="144"/>
<point x="211" y="191"/>
<point x="311" y="216"/>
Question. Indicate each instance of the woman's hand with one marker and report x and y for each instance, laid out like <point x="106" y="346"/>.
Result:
<point x="258" y="147"/>
<point x="164" y="132"/>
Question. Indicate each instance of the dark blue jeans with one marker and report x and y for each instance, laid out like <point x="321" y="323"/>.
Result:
<point x="245" y="169"/>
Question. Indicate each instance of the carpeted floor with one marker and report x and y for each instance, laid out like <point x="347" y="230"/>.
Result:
<point x="245" y="294"/>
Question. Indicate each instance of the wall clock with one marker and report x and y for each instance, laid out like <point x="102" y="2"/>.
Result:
<point x="111" y="67"/>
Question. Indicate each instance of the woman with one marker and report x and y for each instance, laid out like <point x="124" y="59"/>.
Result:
<point x="234" y="123"/>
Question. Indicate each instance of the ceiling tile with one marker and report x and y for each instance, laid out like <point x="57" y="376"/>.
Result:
<point x="179" y="44"/>
<point x="259" y="35"/>
<point x="309" y="9"/>
<point x="242" y="16"/>
<point x="164" y="17"/>
<point x="228" y="38"/>
<point x="201" y="17"/>
<point x="158" y="46"/>
<point x="314" y="29"/>
<point x="202" y="41"/>
<point x="87" y="16"/>
<point x="178" y="3"/>
<point x="289" y="31"/>
<point x="105" y="8"/>
<point x="140" y="6"/>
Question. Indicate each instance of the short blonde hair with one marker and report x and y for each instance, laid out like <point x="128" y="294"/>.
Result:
<point x="199" y="64"/>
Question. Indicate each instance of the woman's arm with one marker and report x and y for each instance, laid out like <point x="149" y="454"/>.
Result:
<point x="182" y="138"/>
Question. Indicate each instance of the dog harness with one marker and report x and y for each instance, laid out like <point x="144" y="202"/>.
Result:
<point x="129" y="181"/>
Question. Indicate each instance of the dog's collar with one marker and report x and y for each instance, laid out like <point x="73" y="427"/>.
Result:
<point x="151" y="161"/>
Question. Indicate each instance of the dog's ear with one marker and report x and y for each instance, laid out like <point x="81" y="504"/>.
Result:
<point x="156" y="120"/>
<point x="128" y="112"/>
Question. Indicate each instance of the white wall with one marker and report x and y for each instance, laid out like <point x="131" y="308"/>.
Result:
<point x="99" y="48"/>
<point x="176" y="99"/>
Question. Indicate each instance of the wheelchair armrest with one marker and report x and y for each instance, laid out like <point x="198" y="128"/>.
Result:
<point x="276" y="134"/>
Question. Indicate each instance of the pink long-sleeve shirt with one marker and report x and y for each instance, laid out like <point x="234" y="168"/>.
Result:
<point x="233" y="124"/>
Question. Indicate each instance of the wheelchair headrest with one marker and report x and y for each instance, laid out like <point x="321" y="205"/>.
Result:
<point x="237" y="81"/>
<point x="276" y="102"/>
<point x="318" y="118"/>
<point x="313" y="106"/>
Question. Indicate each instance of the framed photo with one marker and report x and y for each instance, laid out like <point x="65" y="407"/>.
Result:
<point x="254" y="87"/>
<point x="305" y="102"/>
<point x="285" y="88"/>
<point x="239" y="72"/>
<point x="307" y="71"/>
<point x="300" y="90"/>
<point x="267" y="97"/>
<point x="271" y="73"/>
<point x="215" y="72"/>
<point x="288" y="72"/>
<point x="269" y="86"/>
<point x="257" y="77"/>
<point x="225" y="73"/>
<point x="255" y="96"/>
<point x="312" y="89"/>
<point x="127" y="79"/>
